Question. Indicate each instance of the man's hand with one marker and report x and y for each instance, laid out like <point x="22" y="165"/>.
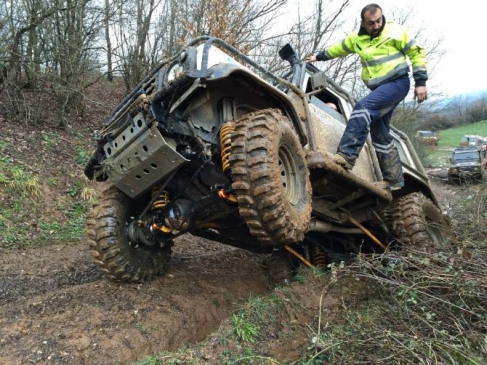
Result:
<point x="311" y="59"/>
<point x="420" y="94"/>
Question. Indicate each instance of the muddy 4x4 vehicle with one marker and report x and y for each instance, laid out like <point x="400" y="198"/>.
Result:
<point x="212" y="144"/>
<point x="427" y="137"/>
<point x="466" y="165"/>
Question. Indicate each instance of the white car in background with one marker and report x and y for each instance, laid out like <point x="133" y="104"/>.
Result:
<point x="469" y="140"/>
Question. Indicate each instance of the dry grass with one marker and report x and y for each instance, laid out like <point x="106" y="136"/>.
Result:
<point x="430" y="307"/>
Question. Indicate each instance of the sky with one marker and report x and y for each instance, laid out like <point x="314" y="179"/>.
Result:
<point x="463" y="67"/>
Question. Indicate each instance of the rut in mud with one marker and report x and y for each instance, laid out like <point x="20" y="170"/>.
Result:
<point x="58" y="308"/>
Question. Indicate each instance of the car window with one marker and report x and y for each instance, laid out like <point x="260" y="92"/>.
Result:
<point x="465" y="156"/>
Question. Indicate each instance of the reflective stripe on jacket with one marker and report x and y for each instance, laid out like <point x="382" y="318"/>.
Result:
<point x="383" y="57"/>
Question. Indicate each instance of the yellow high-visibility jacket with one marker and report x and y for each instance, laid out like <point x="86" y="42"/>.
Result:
<point x="383" y="57"/>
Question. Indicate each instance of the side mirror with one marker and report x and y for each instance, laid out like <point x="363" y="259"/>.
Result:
<point x="318" y="81"/>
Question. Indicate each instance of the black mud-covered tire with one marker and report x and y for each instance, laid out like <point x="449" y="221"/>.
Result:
<point x="418" y="222"/>
<point x="111" y="249"/>
<point x="270" y="178"/>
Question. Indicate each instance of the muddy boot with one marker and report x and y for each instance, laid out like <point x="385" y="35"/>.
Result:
<point x="387" y="185"/>
<point x="391" y="168"/>
<point x="342" y="161"/>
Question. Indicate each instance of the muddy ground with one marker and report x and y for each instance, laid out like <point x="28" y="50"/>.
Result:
<point x="56" y="307"/>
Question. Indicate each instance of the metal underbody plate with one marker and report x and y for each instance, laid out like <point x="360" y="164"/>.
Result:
<point x="143" y="163"/>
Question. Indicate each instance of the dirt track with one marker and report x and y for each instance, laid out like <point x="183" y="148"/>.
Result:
<point x="57" y="308"/>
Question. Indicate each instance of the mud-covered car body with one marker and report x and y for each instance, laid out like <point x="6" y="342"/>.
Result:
<point x="427" y="137"/>
<point x="212" y="144"/>
<point x="466" y="165"/>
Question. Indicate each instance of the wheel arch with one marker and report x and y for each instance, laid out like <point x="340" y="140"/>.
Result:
<point x="231" y="72"/>
<point x="415" y="184"/>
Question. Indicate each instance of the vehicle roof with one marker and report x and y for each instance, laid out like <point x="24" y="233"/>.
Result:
<point x="465" y="149"/>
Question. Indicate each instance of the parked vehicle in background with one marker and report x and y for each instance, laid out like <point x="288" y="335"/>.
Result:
<point x="466" y="166"/>
<point x="427" y="137"/>
<point x="469" y="140"/>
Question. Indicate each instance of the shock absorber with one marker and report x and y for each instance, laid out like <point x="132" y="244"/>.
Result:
<point x="160" y="202"/>
<point x="319" y="258"/>
<point x="226" y="132"/>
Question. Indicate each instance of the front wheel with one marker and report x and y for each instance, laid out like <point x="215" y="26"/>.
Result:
<point x="112" y="250"/>
<point x="417" y="221"/>
<point x="271" y="178"/>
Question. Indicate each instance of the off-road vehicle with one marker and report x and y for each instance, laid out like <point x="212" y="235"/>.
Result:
<point x="466" y="165"/>
<point x="212" y="144"/>
<point x="427" y="137"/>
<point x="469" y="140"/>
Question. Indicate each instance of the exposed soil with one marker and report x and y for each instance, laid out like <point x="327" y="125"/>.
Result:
<point x="57" y="308"/>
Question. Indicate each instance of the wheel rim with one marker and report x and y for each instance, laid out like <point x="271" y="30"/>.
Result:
<point x="289" y="175"/>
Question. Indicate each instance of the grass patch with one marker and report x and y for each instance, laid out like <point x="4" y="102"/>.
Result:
<point x="439" y="156"/>
<point x="20" y="182"/>
<point x="451" y="137"/>
<point x="244" y="329"/>
<point x="35" y="213"/>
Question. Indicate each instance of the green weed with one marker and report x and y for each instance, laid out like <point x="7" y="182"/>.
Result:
<point x="244" y="328"/>
<point x="23" y="183"/>
<point x="82" y="157"/>
<point x="50" y="138"/>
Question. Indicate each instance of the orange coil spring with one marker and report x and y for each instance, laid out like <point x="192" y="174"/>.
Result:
<point x="226" y="132"/>
<point x="161" y="201"/>
<point x="319" y="258"/>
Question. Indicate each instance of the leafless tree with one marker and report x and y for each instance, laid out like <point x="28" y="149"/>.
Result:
<point x="65" y="43"/>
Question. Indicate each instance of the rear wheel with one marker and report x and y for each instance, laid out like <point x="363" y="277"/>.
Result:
<point x="417" y="221"/>
<point x="270" y="178"/>
<point x="112" y="250"/>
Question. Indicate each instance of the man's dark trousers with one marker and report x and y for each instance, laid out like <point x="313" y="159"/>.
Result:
<point x="373" y="114"/>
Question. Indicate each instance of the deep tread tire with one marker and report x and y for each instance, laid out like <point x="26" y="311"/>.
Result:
<point x="271" y="178"/>
<point x="111" y="249"/>
<point x="417" y="221"/>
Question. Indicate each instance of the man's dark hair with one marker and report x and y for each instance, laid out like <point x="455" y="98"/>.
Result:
<point x="371" y="7"/>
